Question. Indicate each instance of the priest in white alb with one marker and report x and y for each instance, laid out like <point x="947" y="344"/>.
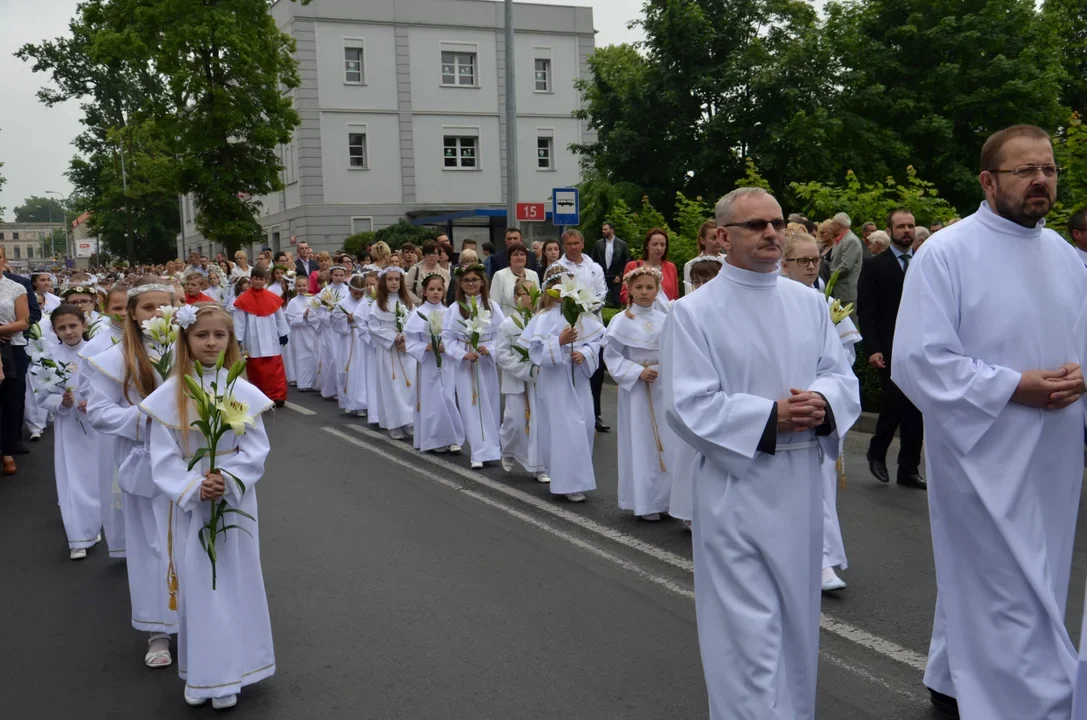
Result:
<point x="988" y="344"/>
<point x="757" y="382"/>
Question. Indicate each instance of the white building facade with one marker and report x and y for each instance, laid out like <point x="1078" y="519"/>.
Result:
<point x="403" y="115"/>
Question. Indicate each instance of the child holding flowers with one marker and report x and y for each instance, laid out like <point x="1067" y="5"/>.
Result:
<point x="305" y="341"/>
<point x="438" y="424"/>
<point x="225" y="637"/>
<point x="352" y="397"/>
<point x="469" y="330"/>
<point x="519" y="433"/>
<point x="632" y="354"/>
<point x="119" y="379"/>
<point x="333" y="345"/>
<point x="370" y="379"/>
<point x="567" y="355"/>
<point x="54" y="378"/>
<point x="395" y="401"/>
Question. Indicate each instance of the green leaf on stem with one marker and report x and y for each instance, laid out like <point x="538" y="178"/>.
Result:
<point x="197" y="457"/>
<point x="238" y="511"/>
<point x="235" y="372"/>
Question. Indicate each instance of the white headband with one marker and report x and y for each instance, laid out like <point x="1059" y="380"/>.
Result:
<point x="707" y="258"/>
<point x="390" y="268"/>
<point x="153" y="287"/>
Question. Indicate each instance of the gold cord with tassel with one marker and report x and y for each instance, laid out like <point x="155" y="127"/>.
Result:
<point x="400" y="359"/>
<point x="171" y="573"/>
<point x="528" y="412"/>
<point x="653" y="418"/>
<point x="840" y="467"/>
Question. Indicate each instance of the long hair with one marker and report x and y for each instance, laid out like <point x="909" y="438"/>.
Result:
<point x="69" y="309"/>
<point x="383" y="293"/>
<point x="183" y="362"/>
<point x="546" y="300"/>
<point x="484" y="293"/>
<point x="649" y="236"/>
<point x="526" y="286"/>
<point x="138" y="369"/>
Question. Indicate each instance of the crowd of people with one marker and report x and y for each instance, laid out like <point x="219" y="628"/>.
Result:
<point x="733" y="403"/>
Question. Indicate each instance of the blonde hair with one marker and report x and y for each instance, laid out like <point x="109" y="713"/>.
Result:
<point x="879" y="239"/>
<point x="183" y="362"/>
<point x="380" y="252"/>
<point x="139" y="371"/>
<point x="792" y="239"/>
<point x="468" y="257"/>
<point x="546" y="300"/>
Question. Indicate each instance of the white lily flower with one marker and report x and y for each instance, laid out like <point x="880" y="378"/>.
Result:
<point x="434" y="319"/>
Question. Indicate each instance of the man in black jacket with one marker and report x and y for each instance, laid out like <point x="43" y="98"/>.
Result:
<point x="16" y="403"/>
<point x="305" y="265"/>
<point x="612" y="254"/>
<point x="879" y="292"/>
<point x="502" y="259"/>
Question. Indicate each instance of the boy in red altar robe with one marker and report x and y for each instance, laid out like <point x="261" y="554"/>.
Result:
<point x="262" y="330"/>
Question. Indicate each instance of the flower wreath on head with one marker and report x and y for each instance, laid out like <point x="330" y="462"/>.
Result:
<point x="336" y="267"/>
<point x="388" y="269"/>
<point x="471" y="267"/>
<point x="707" y="258"/>
<point x="426" y="278"/>
<point x="643" y="270"/>
<point x="561" y="271"/>
<point x="78" y="290"/>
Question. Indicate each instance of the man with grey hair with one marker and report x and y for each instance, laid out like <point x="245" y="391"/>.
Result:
<point x="845" y="258"/>
<point x="591" y="276"/>
<point x="877" y="241"/>
<point x="762" y="413"/>
<point x="920" y="235"/>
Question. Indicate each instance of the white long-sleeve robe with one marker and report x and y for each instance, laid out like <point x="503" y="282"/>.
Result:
<point x="646" y="443"/>
<point x="758" y="525"/>
<point x="111" y="499"/>
<point x="303" y="347"/>
<point x="77" y="479"/>
<point x="355" y="395"/>
<point x="985" y="300"/>
<point x="477" y="383"/>
<point x="225" y="638"/>
<point x="372" y="371"/>
<point x="346" y="324"/>
<point x="146" y="511"/>
<point x="519" y="434"/>
<point x="333" y="346"/>
<point x="396" y="370"/>
<point x="437" y="420"/>
<point x="833" y="545"/>
<point x="260" y="335"/>
<point x="567" y="424"/>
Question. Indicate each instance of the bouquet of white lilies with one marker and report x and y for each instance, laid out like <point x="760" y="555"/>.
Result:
<point x="328" y="299"/>
<point x="161" y="332"/>
<point x="434" y="323"/>
<point x="577" y="300"/>
<point x="218" y="411"/>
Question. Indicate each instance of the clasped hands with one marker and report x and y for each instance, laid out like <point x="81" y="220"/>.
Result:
<point x="212" y="487"/>
<point x="1050" y="389"/>
<point x="802" y="410"/>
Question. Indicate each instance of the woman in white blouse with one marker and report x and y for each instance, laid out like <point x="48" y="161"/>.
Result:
<point x="14" y="320"/>
<point x="503" y="282"/>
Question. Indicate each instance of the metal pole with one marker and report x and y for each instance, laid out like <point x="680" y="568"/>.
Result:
<point x="128" y="213"/>
<point x="511" y="122"/>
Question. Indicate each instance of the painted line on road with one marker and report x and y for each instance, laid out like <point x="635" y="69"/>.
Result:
<point x="632" y="567"/>
<point x="299" y="409"/>
<point x="881" y="646"/>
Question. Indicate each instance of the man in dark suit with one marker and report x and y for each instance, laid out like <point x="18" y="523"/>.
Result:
<point x="502" y="260"/>
<point x="879" y="292"/>
<point x="612" y="254"/>
<point x="16" y="404"/>
<point x="305" y="265"/>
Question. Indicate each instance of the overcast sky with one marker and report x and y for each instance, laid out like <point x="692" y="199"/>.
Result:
<point x="35" y="141"/>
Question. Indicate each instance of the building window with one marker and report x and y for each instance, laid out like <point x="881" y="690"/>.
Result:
<point x="361" y="224"/>
<point x="353" y="65"/>
<point x="543" y="75"/>
<point x="545" y="147"/>
<point x="1" y="236"/>
<point x="459" y="69"/>
<point x="356" y="150"/>
<point x="15" y="236"/>
<point x="460" y="152"/>
<point x="30" y="252"/>
<point x="18" y="252"/>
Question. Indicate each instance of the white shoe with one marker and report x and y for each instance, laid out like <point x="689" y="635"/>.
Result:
<point x="158" y="652"/>
<point x="576" y="497"/>
<point x="439" y="451"/>
<point x="652" y="517"/>
<point x="192" y="701"/>
<point x="542" y="477"/>
<point x="409" y="430"/>
<point x="507" y="464"/>
<point x="396" y="434"/>
<point x="454" y="448"/>
<point x="477" y="465"/>
<point x="831" y="581"/>
<point x="78" y="554"/>
<point x="360" y="413"/>
<point x="224" y="702"/>
<point x="98" y="539"/>
<point x="35" y="436"/>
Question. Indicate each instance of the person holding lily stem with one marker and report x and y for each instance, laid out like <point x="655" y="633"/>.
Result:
<point x="54" y="377"/>
<point x="208" y="450"/>
<point x="800" y="262"/>
<point x="352" y="396"/>
<point x="334" y="346"/>
<point x="262" y="331"/>
<point x="563" y="340"/>
<point x="371" y="375"/>
<point x="469" y="331"/>
<point x="304" y="324"/>
<point x="119" y="378"/>
<point x="438" y="426"/>
<point x="519" y="434"/>
<point x="632" y="355"/>
<point x="395" y="400"/>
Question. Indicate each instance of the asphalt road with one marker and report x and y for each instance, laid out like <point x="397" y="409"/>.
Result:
<point x="406" y="586"/>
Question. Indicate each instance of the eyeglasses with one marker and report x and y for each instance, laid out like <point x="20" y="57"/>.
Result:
<point x="470" y="281"/>
<point x="805" y="262"/>
<point x="759" y="225"/>
<point x="1027" y="172"/>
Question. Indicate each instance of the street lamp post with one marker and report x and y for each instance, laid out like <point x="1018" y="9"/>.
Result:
<point x="53" y="231"/>
<point x="511" y="122"/>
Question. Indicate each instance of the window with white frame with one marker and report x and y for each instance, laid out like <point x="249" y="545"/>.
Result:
<point x="543" y="75"/>
<point x="460" y="152"/>
<point x="545" y="153"/>
<point x="354" y="62"/>
<point x="356" y="149"/>
<point x="458" y="68"/>
<point x="361" y="224"/>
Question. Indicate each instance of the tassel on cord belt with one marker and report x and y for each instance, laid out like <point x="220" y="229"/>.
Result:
<point x="350" y="356"/>
<point x="528" y="411"/>
<point x="400" y="359"/>
<point x="418" y="389"/>
<point x="171" y="573"/>
<point x="653" y="418"/>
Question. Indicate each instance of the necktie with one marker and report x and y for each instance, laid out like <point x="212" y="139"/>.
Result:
<point x="905" y="262"/>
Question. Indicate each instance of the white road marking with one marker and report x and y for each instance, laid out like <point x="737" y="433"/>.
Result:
<point x="876" y="644"/>
<point x="299" y="409"/>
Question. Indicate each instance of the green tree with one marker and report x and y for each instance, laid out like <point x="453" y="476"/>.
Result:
<point x="403" y="232"/>
<point x="865" y="202"/>
<point x="924" y="82"/>
<point x="600" y="198"/>
<point x="41" y="210"/>
<point x="1070" y="148"/>
<point x="1068" y="19"/>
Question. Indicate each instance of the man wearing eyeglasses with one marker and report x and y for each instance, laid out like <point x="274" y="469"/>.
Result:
<point x="756" y="381"/>
<point x="846" y="258"/>
<point x="989" y="338"/>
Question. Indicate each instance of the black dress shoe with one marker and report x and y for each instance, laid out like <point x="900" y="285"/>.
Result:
<point x="21" y="450"/>
<point x="601" y="427"/>
<point x="946" y="704"/>
<point x="879" y="470"/>
<point x="912" y="480"/>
